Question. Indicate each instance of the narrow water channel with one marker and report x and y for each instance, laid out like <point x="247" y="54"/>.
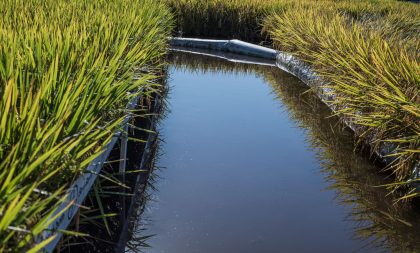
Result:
<point x="251" y="163"/>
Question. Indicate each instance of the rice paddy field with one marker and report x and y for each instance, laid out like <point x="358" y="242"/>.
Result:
<point x="69" y="68"/>
<point x="67" y="72"/>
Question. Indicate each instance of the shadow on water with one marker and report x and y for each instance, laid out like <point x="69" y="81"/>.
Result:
<point x="376" y="219"/>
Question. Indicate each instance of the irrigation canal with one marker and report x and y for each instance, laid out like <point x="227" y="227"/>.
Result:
<point x="252" y="162"/>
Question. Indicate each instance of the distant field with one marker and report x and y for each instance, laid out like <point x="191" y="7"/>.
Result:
<point x="368" y="52"/>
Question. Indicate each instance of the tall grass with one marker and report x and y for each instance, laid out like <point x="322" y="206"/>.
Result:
<point x="374" y="77"/>
<point x="67" y="70"/>
<point x="367" y="51"/>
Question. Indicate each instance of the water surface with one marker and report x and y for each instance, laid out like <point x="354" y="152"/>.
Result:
<point x="251" y="164"/>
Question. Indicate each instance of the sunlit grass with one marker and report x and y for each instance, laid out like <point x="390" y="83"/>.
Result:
<point x="67" y="70"/>
<point x="373" y="75"/>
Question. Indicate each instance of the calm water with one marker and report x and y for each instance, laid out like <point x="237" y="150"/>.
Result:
<point x="249" y="164"/>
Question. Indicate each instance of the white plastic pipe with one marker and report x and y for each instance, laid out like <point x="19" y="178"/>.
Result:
<point x="232" y="46"/>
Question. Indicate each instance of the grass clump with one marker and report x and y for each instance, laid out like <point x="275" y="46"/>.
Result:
<point x="67" y="70"/>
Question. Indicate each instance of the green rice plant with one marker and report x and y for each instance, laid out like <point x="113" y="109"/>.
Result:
<point x="375" y="84"/>
<point x="396" y="22"/>
<point x="67" y="70"/>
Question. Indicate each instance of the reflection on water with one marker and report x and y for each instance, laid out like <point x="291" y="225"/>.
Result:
<point x="254" y="163"/>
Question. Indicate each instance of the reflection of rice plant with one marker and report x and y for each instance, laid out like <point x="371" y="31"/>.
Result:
<point x="378" y="219"/>
<point x="67" y="70"/>
<point x="138" y="234"/>
<point x="136" y="239"/>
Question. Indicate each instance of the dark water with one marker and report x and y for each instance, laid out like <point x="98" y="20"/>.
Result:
<point x="251" y="163"/>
